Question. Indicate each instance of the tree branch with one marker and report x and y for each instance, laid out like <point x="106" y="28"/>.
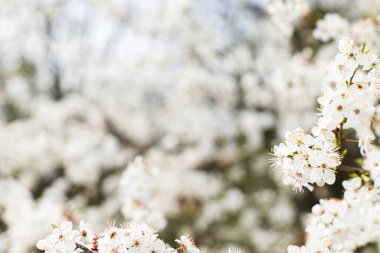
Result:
<point x="84" y="248"/>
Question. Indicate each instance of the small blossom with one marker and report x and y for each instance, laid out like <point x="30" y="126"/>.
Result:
<point x="342" y="68"/>
<point x="187" y="244"/>
<point x="62" y="239"/>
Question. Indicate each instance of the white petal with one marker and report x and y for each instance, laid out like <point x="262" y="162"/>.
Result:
<point x="356" y="183"/>
<point x="41" y="244"/>
<point x="329" y="176"/>
<point x="320" y="183"/>
<point x="69" y="245"/>
<point x="346" y="185"/>
<point x="315" y="175"/>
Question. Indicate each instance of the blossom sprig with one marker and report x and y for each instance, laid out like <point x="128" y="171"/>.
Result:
<point x="132" y="237"/>
<point x="62" y="239"/>
<point x="305" y="159"/>
<point x="349" y="58"/>
<point x="345" y="63"/>
<point x="351" y="103"/>
<point x="339" y="225"/>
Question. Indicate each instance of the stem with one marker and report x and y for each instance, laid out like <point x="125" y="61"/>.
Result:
<point x="351" y="169"/>
<point x="340" y="135"/>
<point x="352" y="77"/>
<point x="84" y="248"/>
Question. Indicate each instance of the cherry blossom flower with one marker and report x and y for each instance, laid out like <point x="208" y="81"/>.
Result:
<point x="62" y="239"/>
<point x="342" y="68"/>
<point x="187" y="244"/>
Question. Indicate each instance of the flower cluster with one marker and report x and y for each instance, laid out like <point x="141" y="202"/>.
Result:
<point x="133" y="237"/>
<point x="337" y="225"/>
<point x="352" y="101"/>
<point x="305" y="159"/>
<point x="352" y="104"/>
<point x="343" y="225"/>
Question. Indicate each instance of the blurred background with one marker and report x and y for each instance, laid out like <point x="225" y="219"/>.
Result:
<point x="197" y="90"/>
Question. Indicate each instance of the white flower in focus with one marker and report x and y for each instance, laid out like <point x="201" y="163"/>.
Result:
<point x="62" y="239"/>
<point x="342" y="68"/>
<point x="187" y="244"/>
<point x="347" y="46"/>
<point x="321" y="163"/>
<point x="86" y="232"/>
<point x="345" y="64"/>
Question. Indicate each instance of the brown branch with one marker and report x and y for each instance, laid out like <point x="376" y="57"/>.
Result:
<point x="340" y="134"/>
<point x="84" y="248"/>
<point x="351" y="169"/>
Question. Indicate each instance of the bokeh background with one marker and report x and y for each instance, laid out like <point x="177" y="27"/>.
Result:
<point x="163" y="111"/>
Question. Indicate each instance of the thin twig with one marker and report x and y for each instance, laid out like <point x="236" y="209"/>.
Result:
<point x="351" y="169"/>
<point x="84" y="248"/>
<point x="351" y="140"/>
<point x="340" y="134"/>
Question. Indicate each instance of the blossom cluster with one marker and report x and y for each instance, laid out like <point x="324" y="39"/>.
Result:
<point x="343" y="225"/>
<point x="337" y="225"/>
<point x="351" y="104"/>
<point x="132" y="237"/>
<point x="305" y="159"/>
<point x="353" y="98"/>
